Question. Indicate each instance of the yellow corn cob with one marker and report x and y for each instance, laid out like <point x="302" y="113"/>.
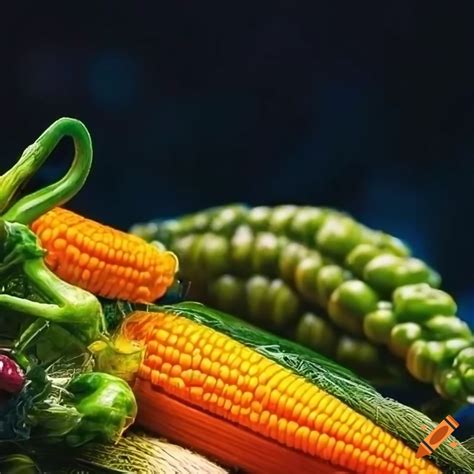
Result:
<point x="208" y="369"/>
<point x="103" y="260"/>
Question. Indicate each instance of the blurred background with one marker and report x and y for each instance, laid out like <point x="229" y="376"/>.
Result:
<point x="191" y="105"/>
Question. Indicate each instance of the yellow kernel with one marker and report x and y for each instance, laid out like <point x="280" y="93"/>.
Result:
<point x="83" y="260"/>
<point x="196" y="392"/>
<point x="176" y="383"/>
<point x="188" y="348"/>
<point x="166" y="368"/>
<point x="161" y="335"/>
<point x="210" y="383"/>
<point x="246" y="399"/>
<point x="235" y="410"/>
<point x="301" y="438"/>
<point x="363" y="457"/>
<point x="206" y="365"/>
<point x="211" y="398"/>
<point x="215" y="368"/>
<point x="181" y="342"/>
<point x="245" y="366"/>
<point x="175" y="371"/>
<point x="327" y="425"/>
<point x="224" y="372"/>
<point x="196" y="361"/>
<point x="273" y="426"/>
<point x="264" y="416"/>
<point x="252" y="384"/>
<point x="254" y="418"/>
<point x="286" y="382"/>
<point x="237" y="397"/>
<point x="290" y="439"/>
<point x="185" y="360"/>
<point x="46" y="235"/>
<point x="59" y="244"/>
<point x="234" y="376"/>
<point x="300" y="413"/>
<point x="272" y="401"/>
<point x="282" y="425"/>
<point x="154" y="361"/>
<point x="312" y="442"/>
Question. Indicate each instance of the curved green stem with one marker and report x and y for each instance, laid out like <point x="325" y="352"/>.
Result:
<point x="30" y="207"/>
<point x="67" y="304"/>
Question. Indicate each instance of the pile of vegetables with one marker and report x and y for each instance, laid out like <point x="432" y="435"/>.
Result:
<point x="69" y="358"/>
<point x="329" y="282"/>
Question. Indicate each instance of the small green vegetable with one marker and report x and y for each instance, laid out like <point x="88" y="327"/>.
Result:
<point x="107" y="407"/>
<point x="378" y="325"/>
<point x="338" y="236"/>
<point x="420" y="302"/>
<point x="386" y="272"/>
<point x="349" y="303"/>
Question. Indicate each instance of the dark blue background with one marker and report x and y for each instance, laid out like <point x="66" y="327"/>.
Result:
<point x="364" y="107"/>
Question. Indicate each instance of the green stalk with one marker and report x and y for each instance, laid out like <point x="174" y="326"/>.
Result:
<point x="30" y="207"/>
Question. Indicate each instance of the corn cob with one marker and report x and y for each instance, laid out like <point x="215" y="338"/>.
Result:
<point x="103" y="260"/>
<point x="268" y="389"/>
<point x="365" y="280"/>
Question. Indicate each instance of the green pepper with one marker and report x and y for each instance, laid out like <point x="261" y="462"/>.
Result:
<point x="420" y="302"/>
<point x="403" y="336"/>
<point x="107" y="406"/>
<point x="306" y="276"/>
<point x="360" y="256"/>
<point x="338" y="236"/>
<point x="378" y="325"/>
<point x="349" y="303"/>
<point x="386" y="272"/>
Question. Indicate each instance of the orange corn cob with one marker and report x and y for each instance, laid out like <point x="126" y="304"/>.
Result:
<point x="210" y="370"/>
<point x="103" y="260"/>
